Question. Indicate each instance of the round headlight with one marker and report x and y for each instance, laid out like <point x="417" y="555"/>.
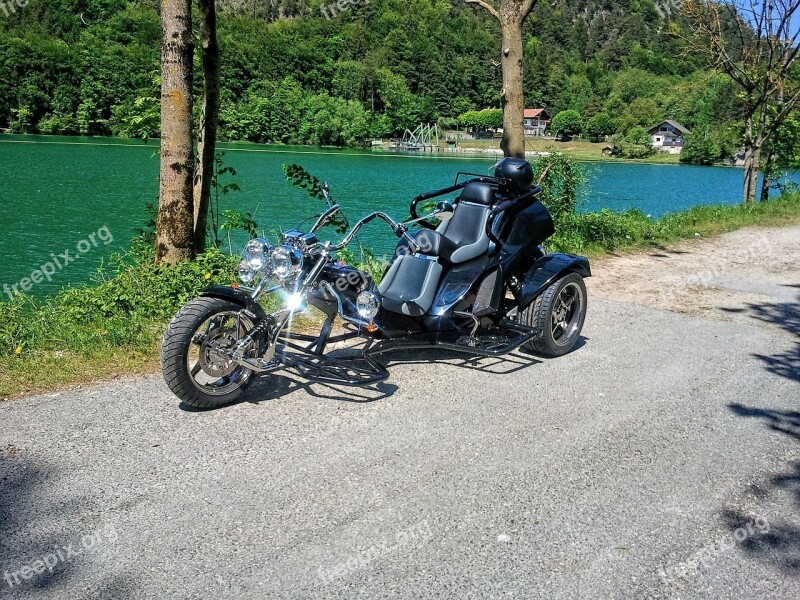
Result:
<point x="246" y="273"/>
<point x="286" y="262"/>
<point x="257" y="253"/>
<point x="367" y="305"/>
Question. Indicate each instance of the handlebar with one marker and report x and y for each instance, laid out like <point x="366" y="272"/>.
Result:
<point x="398" y="228"/>
<point x="324" y="217"/>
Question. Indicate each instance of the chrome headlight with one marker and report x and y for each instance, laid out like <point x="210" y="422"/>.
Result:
<point x="287" y="262"/>
<point x="246" y="273"/>
<point x="367" y="305"/>
<point x="257" y="254"/>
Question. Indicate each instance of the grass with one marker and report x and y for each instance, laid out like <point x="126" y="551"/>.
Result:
<point x="114" y="327"/>
<point x="581" y="150"/>
<point x="596" y="234"/>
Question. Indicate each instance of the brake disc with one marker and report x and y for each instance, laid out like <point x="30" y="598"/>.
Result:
<point x="213" y="357"/>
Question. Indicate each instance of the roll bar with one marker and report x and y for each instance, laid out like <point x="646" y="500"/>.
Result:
<point x="448" y="190"/>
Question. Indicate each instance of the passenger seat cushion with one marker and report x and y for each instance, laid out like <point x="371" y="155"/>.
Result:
<point x="467" y="231"/>
<point x="410" y="285"/>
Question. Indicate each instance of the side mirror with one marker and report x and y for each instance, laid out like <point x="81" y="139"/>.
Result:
<point x="444" y="211"/>
<point x="326" y="193"/>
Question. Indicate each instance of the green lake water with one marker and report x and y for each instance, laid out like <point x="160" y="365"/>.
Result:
<point x="58" y="192"/>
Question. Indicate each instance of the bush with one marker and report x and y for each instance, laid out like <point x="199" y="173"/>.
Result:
<point x="600" y="126"/>
<point x="561" y="178"/>
<point x="637" y="143"/>
<point x="128" y="305"/>
<point x="567" y="123"/>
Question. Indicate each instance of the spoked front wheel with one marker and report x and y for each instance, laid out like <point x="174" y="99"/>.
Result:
<point x="559" y="313"/>
<point x="193" y="354"/>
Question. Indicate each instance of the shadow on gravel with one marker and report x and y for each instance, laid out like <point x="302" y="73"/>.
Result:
<point x="785" y="315"/>
<point x="776" y="499"/>
<point x="39" y="556"/>
<point x="278" y="385"/>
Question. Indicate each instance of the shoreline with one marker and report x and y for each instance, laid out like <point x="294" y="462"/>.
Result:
<point x="581" y="151"/>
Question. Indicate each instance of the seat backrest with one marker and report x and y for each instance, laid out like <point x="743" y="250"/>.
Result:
<point x="467" y="227"/>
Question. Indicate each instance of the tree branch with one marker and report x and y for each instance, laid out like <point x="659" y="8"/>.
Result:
<point x="527" y="7"/>
<point x="492" y="10"/>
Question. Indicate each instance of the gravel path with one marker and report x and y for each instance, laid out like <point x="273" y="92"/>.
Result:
<point x="659" y="460"/>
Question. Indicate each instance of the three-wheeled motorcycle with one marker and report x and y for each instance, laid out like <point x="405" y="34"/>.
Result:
<point x="470" y="276"/>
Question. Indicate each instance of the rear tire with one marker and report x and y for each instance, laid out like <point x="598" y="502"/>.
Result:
<point x="559" y="313"/>
<point x="183" y="372"/>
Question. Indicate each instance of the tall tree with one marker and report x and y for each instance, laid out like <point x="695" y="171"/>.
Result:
<point x="209" y="121"/>
<point x="175" y="228"/>
<point x="757" y="45"/>
<point x="511" y="15"/>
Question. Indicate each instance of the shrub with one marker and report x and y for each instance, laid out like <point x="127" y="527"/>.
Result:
<point x="567" y="123"/>
<point x="637" y="143"/>
<point x="600" y="126"/>
<point x="561" y="178"/>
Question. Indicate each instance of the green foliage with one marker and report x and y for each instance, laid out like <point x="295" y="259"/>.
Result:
<point x="291" y="76"/>
<point x="365" y="260"/>
<point x="226" y="220"/>
<point x="138" y="119"/>
<point x="700" y="150"/>
<point x="302" y="179"/>
<point x="600" y="126"/>
<point x="561" y="179"/>
<point x="488" y="118"/>
<point x="129" y="304"/>
<point x="637" y="143"/>
<point x="567" y="124"/>
<point x="608" y="231"/>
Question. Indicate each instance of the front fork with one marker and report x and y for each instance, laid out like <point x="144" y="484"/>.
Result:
<point x="269" y="328"/>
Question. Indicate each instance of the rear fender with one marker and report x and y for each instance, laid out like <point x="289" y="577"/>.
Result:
<point x="548" y="269"/>
<point x="237" y="297"/>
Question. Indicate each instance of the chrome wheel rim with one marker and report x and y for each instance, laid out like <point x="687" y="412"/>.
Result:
<point x="210" y="369"/>
<point x="565" y="318"/>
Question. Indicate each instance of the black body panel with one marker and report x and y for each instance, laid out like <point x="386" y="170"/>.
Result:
<point x="238" y="297"/>
<point x="546" y="270"/>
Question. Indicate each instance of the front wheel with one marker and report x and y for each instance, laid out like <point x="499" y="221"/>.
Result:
<point x="193" y="359"/>
<point x="559" y="314"/>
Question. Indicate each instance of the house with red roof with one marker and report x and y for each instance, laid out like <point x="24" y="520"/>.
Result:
<point x="535" y="121"/>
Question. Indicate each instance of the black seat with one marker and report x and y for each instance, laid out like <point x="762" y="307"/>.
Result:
<point x="463" y="237"/>
<point x="410" y="285"/>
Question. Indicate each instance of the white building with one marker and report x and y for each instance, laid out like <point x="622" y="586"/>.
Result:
<point x="669" y="136"/>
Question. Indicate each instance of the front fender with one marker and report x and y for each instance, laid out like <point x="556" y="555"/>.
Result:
<point x="548" y="269"/>
<point x="237" y="297"/>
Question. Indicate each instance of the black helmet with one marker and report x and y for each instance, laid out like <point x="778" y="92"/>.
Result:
<point x="517" y="171"/>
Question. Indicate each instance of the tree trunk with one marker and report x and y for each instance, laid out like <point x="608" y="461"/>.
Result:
<point x="512" y="97"/>
<point x="209" y="120"/>
<point x="175" y="229"/>
<point x="751" y="160"/>
<point x="767" y="180"/>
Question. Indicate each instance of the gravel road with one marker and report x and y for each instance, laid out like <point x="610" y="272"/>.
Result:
<point x="661" y="459"/>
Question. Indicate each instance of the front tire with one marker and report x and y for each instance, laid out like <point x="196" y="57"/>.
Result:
<point x="559" y="313"/>
<point x="191" y="362"/>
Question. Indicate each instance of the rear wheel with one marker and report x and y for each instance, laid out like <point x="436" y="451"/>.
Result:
<point x="559" y="313"/>
<point x="193" y="359"/>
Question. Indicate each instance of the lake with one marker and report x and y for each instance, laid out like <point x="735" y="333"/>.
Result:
<point x="89" y="195"/>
